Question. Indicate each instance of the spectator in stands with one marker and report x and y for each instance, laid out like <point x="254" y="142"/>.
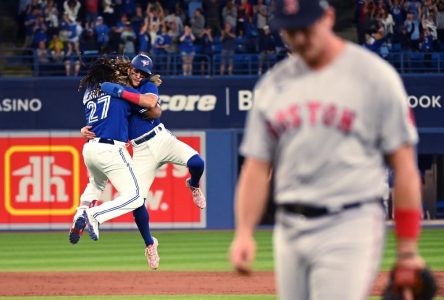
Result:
<point x="71" y="7"/>
<point x="197" y="23"/>
<point x="267" y="49"/>
<point x="430" y="24"/>
<point x="144" y="37"/>
<point x="56" y="48"/>
<point x="252" y="35"/>
<point x="156" y="17"/>
<point x="174" y="35"/>
<point x="440" y="23"/>
<point x="429" y="7"/>
<point x="138" y="19"/>
<point x="229" y="14"/>
<point x="30" y="21"/>
<point x="40" y="37"/>
<point x="211" y="13"/>
<point x="398" y="13"/>
<point x="113" y="45"/>
<point x="72" y="59"/>
<point x="101" y="31"/>
<point x="228" y="45"/>
<point x="160" y="54"/>
<point x="91" y="12"/>
<point x="51" y="17"/>
<point x="187" y="50"/>
<point x="206" y="45"/>
<point x="260" y="12"/>
<point x="244" y="11"/>
<point x="129" y="7"/>
<point x="172" y="17"/>
<point x="41" y="51"/>
<point x="109" y="14"/>
<point x="88" y="42"/>
<point x="178" y="11"/>
<point x="387" y="22"/>
<point x="412" y="31"/>
<point x="241" y="42"/>
<point x="426" y="44"/>
<point x="413" y="7"/>
<point x="128" y="38"/>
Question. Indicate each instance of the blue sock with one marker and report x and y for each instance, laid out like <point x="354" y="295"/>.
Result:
<point x="196" y="166"/>
<point x="142" y="220"/>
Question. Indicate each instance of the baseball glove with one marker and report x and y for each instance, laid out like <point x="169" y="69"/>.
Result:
<point x="421" y="283"/>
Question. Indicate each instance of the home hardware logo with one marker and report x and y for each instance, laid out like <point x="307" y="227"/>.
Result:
<point x="40" y="187"/>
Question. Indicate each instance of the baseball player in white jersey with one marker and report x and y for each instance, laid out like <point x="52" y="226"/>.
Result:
<point x="316" y="121"/>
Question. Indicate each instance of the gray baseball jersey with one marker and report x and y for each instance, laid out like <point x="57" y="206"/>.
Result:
<point x="326" y="131"/>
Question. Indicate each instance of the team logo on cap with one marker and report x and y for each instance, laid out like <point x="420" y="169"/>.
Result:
<point x="145" y="62"/>
<point x="291" y="7"/>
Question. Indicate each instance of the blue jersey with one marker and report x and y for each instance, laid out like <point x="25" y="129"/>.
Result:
<point x="107" y="115"/>
<point x="138" y="124"/>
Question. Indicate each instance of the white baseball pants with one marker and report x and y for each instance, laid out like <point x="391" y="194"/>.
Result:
<point x="113" y="162"/>
<point x="331" y="257"/>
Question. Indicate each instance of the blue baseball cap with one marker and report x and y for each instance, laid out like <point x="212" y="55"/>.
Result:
<point x="297" y="13"/>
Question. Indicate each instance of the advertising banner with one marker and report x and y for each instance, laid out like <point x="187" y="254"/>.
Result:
<point x="187" y="103"/>
<point x="44" y="176"/>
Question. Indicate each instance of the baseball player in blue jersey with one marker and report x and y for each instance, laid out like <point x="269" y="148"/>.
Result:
<point x="316" y="121"/>
<point x="153" y="145"/>
<point x="106" y="157"/>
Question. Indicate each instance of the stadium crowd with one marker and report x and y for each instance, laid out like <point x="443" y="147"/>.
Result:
<point x="400" y="25"/>
<point x="189" y="36"/>
<point x="64" y="31"/>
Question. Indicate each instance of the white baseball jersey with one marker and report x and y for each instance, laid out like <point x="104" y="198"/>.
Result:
<point x="325" y="131"/>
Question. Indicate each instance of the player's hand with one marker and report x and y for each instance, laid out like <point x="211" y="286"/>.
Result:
<point x="86" y="133"/>
<point x="405" y="274"/>
<point x="242" y="253"/>
<point x="112" y="89"/>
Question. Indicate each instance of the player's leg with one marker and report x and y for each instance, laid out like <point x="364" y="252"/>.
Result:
<point x="290" y="265"/>
<point x="116" y="164"/>
<point x="93" y="190"/>
<point x="178" y="152"/>
<point x="346" y="255"/>
<point x="144" y="166"/>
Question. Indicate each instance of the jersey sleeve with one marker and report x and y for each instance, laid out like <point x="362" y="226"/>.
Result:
<point x="149" y="88"/>
<point x="258" y="142"/>
<point x="397" y="120"/>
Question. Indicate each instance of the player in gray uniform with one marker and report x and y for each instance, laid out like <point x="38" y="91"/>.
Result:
<point x="317" y="123"/>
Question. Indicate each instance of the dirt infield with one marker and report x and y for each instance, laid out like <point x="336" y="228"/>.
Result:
<point x="140" y="283"/>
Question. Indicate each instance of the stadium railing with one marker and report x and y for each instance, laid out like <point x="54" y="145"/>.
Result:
<point x="15" y="62"/>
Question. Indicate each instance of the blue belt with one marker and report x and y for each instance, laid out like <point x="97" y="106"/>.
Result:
<point x="147" y="137"/>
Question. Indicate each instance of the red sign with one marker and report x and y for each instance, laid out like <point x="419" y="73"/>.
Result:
<point x="44" y="177"/>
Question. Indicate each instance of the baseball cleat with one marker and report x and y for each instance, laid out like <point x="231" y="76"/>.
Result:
<point x="198" y="197"/>
<point x="93" y="225"/>
<point x="77" y="230"/>
<point x="152" y="256"/>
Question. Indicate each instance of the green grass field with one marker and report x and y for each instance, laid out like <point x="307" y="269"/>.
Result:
<point x="179" y="250"/>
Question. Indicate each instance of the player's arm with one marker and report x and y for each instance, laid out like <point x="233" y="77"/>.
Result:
<point x="407" y="202"/>
<point x="116" y="90"/>
<point x="153" y="113"/>
<point x="251" y="198"/>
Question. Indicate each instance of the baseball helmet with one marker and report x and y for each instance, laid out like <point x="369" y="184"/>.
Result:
<point x="142" y="62"/>
<point x="292" y="14"/>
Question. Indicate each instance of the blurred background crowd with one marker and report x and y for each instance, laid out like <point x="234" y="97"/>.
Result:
<point x="191" y="35"/>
